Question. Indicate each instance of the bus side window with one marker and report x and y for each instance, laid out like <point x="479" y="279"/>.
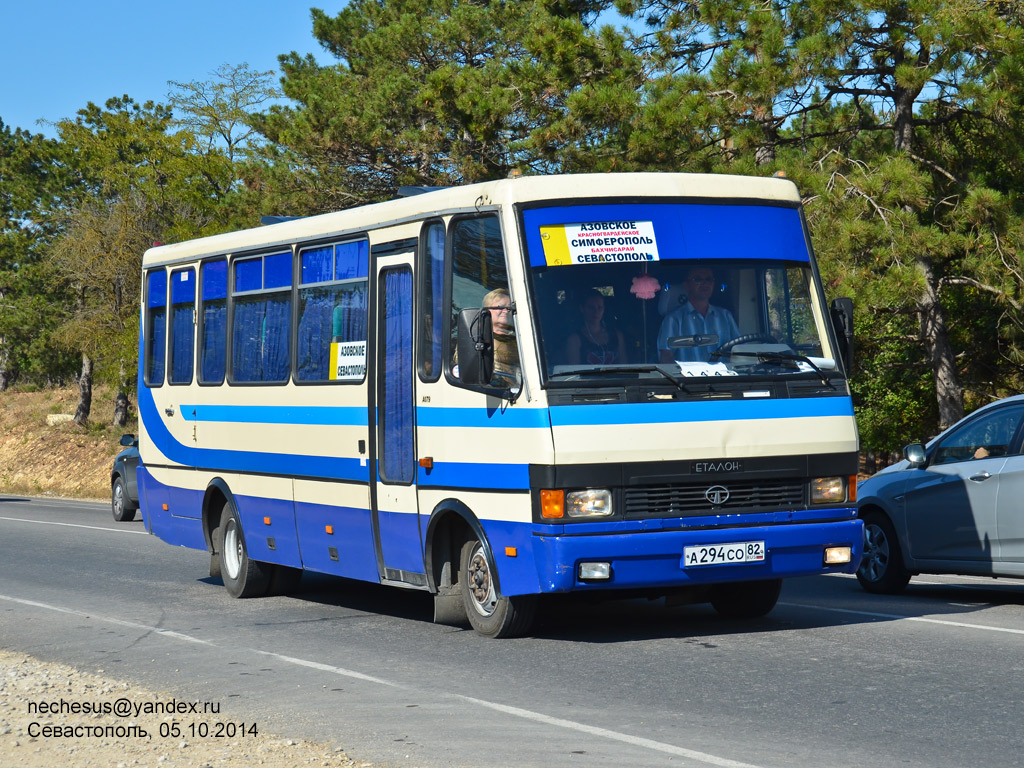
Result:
<point x="478" y="272"/>
<point x="182" y="343"/>
<point x="213" y="276"/>
<point x="332" y="312"/>
<point x="431" y="276"/>
<point x="261" y="319"/>
<point x="156" y="327"/>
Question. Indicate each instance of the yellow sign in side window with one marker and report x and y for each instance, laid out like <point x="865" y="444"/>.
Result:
<point x="348" y="360"/>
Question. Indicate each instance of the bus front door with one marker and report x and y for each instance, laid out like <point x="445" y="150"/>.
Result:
<point x="393" y="501"/>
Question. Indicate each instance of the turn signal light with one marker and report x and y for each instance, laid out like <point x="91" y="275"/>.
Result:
<point x="552" y="504"/>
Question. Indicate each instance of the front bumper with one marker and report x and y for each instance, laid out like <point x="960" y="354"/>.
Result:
<point x="654" y="559"/>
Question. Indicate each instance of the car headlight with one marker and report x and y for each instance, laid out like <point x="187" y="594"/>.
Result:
<point x="828" y="490"/>
<point x="594" y="502"/>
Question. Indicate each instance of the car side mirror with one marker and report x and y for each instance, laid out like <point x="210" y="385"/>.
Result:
<point x="475" y="345"/>
<point x="128" y="440"/>
<point x="915" y="455"/>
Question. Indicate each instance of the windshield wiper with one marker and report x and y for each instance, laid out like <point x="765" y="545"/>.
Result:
<point x="792" y="357"/>
<point x="606" y="369"/>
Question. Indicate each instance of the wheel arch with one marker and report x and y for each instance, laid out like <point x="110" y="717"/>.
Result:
<point x="217" y="495"/>
<point x="873" y="508"/>
<point x="451" y="525"/>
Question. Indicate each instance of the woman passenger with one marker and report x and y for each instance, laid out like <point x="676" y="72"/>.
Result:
<point x="594" y="343"/>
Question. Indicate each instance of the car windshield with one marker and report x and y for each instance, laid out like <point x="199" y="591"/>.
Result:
<point x="681" y="289"/>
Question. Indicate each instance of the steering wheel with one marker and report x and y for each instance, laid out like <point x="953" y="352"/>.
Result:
<point x="744" y="339"/>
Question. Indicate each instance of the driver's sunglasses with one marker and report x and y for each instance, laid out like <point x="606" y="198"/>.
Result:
<point x="500" y="309"/>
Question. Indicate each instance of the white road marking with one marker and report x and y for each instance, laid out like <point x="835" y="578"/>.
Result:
<point x="74" y="525"/>
<point x="892" y="616"/>
<point x="637" y="741"/>
<point x="525" y="714"/>
<point x="109" y="619"/>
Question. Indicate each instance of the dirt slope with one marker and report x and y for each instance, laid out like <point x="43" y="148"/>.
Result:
<point x="59" y="460"/>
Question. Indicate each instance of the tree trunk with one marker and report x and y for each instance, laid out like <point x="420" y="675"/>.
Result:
<point x="948" y="392"/>
<point x="121" y="401"/>
<point x="85" y="391"/>
<point x="6" y="375"/>
<point x="764" y="153"/>
<point x="934" y="333"/>
<point x="903" y="125"/>
<point x="121" y="409"/>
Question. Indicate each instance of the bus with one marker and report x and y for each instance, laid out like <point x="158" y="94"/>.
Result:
<point x="608" y="384"/>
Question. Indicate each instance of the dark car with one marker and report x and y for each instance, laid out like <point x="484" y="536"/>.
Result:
<point x="124" y="492"/>
<point x="951" y="506"/>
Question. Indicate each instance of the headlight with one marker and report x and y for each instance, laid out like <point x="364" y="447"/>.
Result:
<point x="825" y="490"/>
<point x="589" y="503"/>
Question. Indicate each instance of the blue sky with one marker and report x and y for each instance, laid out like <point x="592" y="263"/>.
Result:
<point x="58" y="55"/>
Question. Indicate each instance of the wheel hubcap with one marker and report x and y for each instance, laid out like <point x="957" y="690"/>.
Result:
<point x="480" y="585"/>
<point x="118" y="499"/>
<point x="876" y="553"/>
<point x="233" y="552"/>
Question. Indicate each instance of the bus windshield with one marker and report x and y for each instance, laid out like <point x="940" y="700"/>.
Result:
<point x="673" y="288"/>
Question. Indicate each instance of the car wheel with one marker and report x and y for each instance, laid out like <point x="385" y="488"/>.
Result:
<point x="120" y="505"/>
<point x="489" y="613"/>
<point x="242" y="576"/>
<point x="745" y="599"/>
<point x="881" y="571"/>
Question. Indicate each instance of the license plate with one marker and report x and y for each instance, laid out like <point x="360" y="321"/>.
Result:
<point x="720" y="554"/>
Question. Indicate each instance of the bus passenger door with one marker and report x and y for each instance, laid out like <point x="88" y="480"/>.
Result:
<point x="392" y="409"/>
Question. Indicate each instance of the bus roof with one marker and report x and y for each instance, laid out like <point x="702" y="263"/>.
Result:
<point x="445" y="200"/>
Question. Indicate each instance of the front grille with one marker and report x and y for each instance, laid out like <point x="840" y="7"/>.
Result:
<point x="690" y="499"/>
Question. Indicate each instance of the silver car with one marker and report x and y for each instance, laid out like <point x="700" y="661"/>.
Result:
<point x="955" y="505"/>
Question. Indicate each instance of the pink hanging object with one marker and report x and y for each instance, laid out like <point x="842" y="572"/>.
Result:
<point x="645" y="286"/>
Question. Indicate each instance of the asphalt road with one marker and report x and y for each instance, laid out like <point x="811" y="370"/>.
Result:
<point x="832" y="677"/>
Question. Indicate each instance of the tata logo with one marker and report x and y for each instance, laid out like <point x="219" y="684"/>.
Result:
<point x="717" y="495"/>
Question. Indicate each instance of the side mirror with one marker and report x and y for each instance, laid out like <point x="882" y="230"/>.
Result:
<point x="915" y="455"/>
<point x="842" y="323"/>
<point x="475" y="345"/>
<point x="128" y="440"/>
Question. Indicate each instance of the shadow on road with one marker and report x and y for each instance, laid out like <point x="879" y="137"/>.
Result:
<point x="806" y="603"/>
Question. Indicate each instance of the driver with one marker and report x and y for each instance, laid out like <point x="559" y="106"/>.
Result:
<point x="697" y="316"/>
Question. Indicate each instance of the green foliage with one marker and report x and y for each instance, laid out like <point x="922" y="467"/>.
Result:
<point x="31" y="301"/>
<point x="436" y="92"/>
<point x="217" y="112"/>
<point x="136" y="181"/>
<point x="898" y="121"/>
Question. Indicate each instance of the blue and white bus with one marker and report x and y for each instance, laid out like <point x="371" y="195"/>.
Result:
<point x="621" y="383"/>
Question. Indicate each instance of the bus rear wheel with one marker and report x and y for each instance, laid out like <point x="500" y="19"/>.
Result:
<point x="746" y="599"/>
<point x="243" y="577"/>
<point x="491" y="614"/>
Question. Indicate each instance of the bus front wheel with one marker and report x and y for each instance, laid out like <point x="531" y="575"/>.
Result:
<point x="242" y="576"/>
<point x="491" y="614"/>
